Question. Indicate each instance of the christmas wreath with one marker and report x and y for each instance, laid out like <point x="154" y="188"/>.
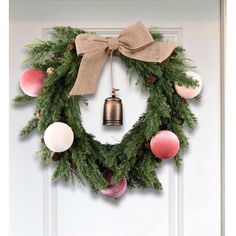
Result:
<point x="54" y="83"/>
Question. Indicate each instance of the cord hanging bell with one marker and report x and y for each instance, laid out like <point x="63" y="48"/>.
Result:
<point x="113" y="110"/>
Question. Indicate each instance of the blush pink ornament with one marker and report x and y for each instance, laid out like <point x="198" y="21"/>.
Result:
<point x="165" y="144"/>
<point x="32" y="82"/>
<point x="189" y="93"/>
<point x="114" y="190"/>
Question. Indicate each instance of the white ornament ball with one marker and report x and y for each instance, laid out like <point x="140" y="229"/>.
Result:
<point x="189" y="93"/>
<point x="58" y="137"/>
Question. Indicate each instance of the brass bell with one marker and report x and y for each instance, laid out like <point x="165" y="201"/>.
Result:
<point x="113" y="110"/>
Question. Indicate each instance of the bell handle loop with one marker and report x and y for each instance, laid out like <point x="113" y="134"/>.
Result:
<point x="114" y="90"/>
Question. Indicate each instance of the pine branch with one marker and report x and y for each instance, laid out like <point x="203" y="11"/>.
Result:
<point x="30" y="127"/>
<point x="178" y="160"/>
<point x="45" y="155"/>
<point x="63" y="170"/>
<point x="21" y="99"/>
<point x="65" y="33"/>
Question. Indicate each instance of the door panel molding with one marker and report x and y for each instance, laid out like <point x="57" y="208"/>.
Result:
<point x="176" y="177"/>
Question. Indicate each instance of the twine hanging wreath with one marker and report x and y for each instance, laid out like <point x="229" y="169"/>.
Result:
<point x="68" y="66"/>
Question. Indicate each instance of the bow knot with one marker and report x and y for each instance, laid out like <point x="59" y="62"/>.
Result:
<point x="113" y="43"/>
<point x="134" y="42"/>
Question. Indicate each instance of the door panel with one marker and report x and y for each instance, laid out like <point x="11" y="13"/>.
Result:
<point x="129" y="216"/>
<point x="190" y="202"/>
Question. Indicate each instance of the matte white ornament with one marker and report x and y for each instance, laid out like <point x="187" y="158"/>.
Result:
<point x="189" y="93"/>
<point x="58" y="137"/>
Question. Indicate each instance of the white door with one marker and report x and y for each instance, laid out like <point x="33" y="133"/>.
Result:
<point x="190" y="204"/>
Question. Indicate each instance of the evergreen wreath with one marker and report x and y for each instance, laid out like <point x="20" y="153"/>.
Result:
<point x="88" y="159"/>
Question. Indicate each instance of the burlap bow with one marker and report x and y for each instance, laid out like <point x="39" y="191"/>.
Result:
<point x="134" y="41"/>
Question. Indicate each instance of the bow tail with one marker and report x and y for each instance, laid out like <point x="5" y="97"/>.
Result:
<point x="90" y="69"/>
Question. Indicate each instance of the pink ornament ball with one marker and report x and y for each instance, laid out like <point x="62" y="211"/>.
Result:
<point x="189" y="93"/>
<point x="114" y="190"/>
<point x="165" y="144"/>
<point x="32" y="82"/>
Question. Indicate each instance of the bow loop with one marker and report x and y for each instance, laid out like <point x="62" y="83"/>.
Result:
<point x="135" y="37"/>
<point x="86" y="43"/>
<point x="135" y="42"/>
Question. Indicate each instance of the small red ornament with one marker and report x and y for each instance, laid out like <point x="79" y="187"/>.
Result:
<point x="56" y="156"/>
<point x="37" y="114"/>
<point x="42" y="140"/>
<point x="147" y="145"/>
<point x="73" y="165"/>
<point x="32" y="82"/>
<point x="152" y="79"/>
<point x="140" y="153"/>
<point x="70" y="47"/>
<point x="165" y="144"/>
<point x="50" y="70"/>
<point x="55" y="56"/>
<point x="114" y="190"/>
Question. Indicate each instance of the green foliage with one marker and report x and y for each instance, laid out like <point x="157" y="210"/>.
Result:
<point x="157" y="36"/>
<point x="66" y="33"/>
<point x="21" y="99"/>
<point x="87" y="159"/>
<point x="148" y="178"/>
<point x="45" y="155"/>
<point x="31" y="126"/>
<point x="63" y="170"/>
